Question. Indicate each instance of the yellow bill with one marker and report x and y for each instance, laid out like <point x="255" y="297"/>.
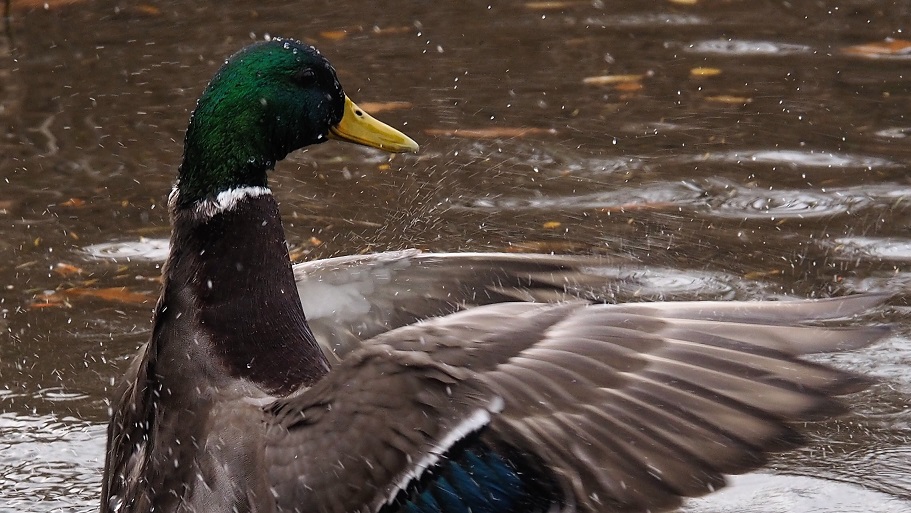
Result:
<point x="359" y="127"/>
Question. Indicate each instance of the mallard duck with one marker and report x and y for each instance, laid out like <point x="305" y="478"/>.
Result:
<point x="515" y="406"/>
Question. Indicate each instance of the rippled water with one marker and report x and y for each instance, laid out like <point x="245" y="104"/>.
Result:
<point x="49" y="463"/>
<point x="764" y="493"/>
<point x="735" y="150"/>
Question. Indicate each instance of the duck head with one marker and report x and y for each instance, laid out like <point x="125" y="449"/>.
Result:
<point x="266" y="101"/>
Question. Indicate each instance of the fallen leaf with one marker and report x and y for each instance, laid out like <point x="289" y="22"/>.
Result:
<point x="888" y="48"/>
<point x="48" y="301"/>
<point x="118" y="294"/>
<point x="383" y="167"/>
<point x="684" y="2"/>
<point x="611" y="79"/>
<point x="757" y="275"/>
<point x="628" y="87"/>
<point x="297" y="255"/>
<point x="551" y="225"/>
<point x="334" y="35"/>
<point x="73" y="202"/>
<point x="705" y="72"/>
<point x="490" y="133"/>
<point x="314" y="241"/>
<point x="66" y="269"/>
<point x="147" y="9"/>
<point x="374" y="107"/>
<point x="725" y="98"/>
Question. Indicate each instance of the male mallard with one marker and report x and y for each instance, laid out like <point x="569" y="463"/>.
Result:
<point x="515" y="406"/>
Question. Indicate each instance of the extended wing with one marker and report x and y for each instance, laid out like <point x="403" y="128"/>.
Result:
<point x="576" y="406"/>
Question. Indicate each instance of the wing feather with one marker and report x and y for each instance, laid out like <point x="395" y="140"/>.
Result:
<point x="626" y="408"/>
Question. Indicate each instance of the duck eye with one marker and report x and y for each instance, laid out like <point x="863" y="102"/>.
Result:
<point x="305" y="77"/>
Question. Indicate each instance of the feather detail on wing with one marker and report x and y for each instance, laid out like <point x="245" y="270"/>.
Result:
<point x="626" y="408"/>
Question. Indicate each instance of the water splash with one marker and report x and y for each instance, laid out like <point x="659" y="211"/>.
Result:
<point x="747" y="203"/>
<point x="764" y="493"/>
<point x="876" y="248"/>
<point x="800" y="158"/>
<point x="747" y="47"/>
<point x="660" y="193"/>
<point x="143" y="249"/>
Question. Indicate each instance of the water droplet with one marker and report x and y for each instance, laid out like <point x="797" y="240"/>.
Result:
<point x="115" y="503"/>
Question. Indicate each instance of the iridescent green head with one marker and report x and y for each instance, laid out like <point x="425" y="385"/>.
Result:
<point x="267" y="100"/>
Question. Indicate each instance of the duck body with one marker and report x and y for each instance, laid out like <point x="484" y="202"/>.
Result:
<point x="208" y="351"/>
<point x="493" y="402"/>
